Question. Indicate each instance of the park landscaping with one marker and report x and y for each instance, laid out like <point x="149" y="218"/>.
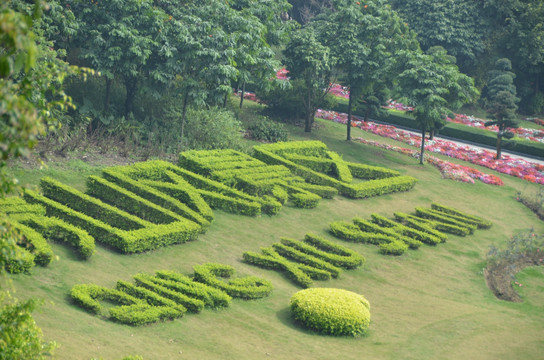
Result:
<point x="427" y="303"/>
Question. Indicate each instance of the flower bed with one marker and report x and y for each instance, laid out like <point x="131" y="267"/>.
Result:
<point x="524" y="169"/>
<point x="447" y="169"/>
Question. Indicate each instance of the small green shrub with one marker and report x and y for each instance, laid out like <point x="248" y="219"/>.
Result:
<point x="212" y="128"/>
<point x="264" y="129"/>
<point x="331" y="311"/>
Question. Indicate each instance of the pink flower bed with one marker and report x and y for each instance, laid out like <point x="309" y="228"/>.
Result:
<point x="447" y="169"/>
<point x="524" y="169"/>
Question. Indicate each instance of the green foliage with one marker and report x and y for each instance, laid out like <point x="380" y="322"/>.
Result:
<point x="20" y="337"/>
<point x="270" y="259"/>
<point x="522" y="245"/>
<point x="249" y="287"/>
<point x="168" y="295"/>
<point x="467" y="218"/>
<point x="315" y="258"/>
<point x="432" y="82"/>
<point x="331" y="311"/>
<point x="312" y="62"/>
<point x="534" y="200"/>
<point x="502" y="100"/>
<point x="212" y="128"/>
<point x="264" y="129"/>
<point x="212" y="297"/>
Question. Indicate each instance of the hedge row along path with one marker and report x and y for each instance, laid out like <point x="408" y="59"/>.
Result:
<point x="155" y="203"/>
<point x="168" y="295"/>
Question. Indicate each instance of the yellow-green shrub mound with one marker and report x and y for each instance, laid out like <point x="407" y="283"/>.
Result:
<point x="331" y="311"/>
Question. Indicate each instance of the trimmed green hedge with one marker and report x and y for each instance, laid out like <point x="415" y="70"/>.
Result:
<point x="168" y="294"/>
<point x="212" y="297"/>
<point x="90" y="206"/>
<point x="249" y="287"/>
<point x="58" y="230"/>
<point x="471" y="219"/>
<point x="270" y="259"/>
<point x="191" y="205"/>
<point x="307" y="259"/>
<point x="368" y="226"/>
<point x="35" y="243"/>
<point x="331" y="311"/>
<point x="335" y="254"/>
<point x="387" y="244"/>
<point x="445" y="223"/>
<point x="151" y="237"/>
<point x="313" y="259"/>
<point x="148" y="282"/>
<point x="423" y="225"/>
<point x="405" y="230"/>
<point x="340" y="168"/>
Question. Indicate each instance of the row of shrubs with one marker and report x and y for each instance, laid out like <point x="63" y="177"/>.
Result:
<point x="409" y="231"/>
<point x="168" y="295"/>
<point x="36" y="229"/>
<point x="314" y="258"/>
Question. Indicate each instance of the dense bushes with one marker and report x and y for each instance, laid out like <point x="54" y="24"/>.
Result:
<point x="168" y="295"/>
<point x="264" y="129"/>
<point x="303" y="261"/>
<point x="212" y="128"/>
<point x="331" y="311"/>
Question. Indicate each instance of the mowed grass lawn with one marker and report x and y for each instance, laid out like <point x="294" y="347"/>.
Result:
<point x="431" y="303"/>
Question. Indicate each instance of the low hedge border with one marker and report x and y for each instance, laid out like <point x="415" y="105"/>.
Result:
<point x="304" y="258"/>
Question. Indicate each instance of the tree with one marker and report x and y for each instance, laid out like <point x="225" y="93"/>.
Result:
<point x="30" y="94"/>
<point x="311" y="62"/>
<point x="502" y="101"/>
<point x="456" y="25"/>
<point x="364" y="36"/>
<point x="432" y="84"/>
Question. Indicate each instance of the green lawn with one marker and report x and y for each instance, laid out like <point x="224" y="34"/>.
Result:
<point x="431" y="303"/>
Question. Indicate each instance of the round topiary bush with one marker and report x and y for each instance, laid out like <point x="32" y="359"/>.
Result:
<point x="331" y="311"/>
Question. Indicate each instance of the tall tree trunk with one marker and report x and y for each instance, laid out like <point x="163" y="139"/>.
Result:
<point x="367" y="113"/>
<point x="184" y="113"/>
<point x="499" y="142"/>
<point x="242" y="96"/>
<point x="131" y="84"/>
<point x="107" y="95"/>
<point x="348" y="135"/>
<point x="309" y="113"/>
<point x="422" y="149"/>
<point x="431" y="134"/>
<point x="225" y="101"/>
